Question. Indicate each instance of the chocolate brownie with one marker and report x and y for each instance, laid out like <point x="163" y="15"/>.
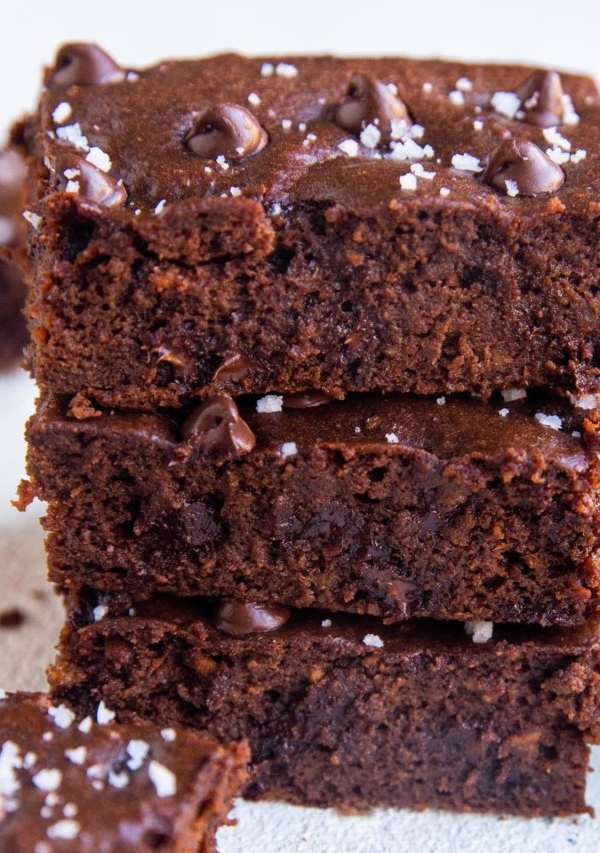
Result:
<point x="73" y="784"/>
<point x="392" y="505"/>
<point x="13" y="229"/>
<point x="248" y="225"/>
<point x="345" y="711"/>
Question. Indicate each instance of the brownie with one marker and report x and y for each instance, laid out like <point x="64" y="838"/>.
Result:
<point x="13" y="230"/>
<point x="345" y="711"/>
<point x="391" y="505"/>
<point x="73" y="784"/>
<point x="286" y="224"/>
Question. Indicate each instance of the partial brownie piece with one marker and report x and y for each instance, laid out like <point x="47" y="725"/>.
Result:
<point x="13" y="231"/>
<point x="249" y="225"/>
<point x="72" y="784"/>
<point x="391" y="505"/>
<point x="345" y="711"/>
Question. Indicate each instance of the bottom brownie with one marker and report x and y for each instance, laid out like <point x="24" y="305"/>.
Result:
<point x="345" y="711"/>
<point x="69" y="784"/>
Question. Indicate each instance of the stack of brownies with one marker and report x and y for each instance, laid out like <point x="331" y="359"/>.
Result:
<point x="318" y="346"/>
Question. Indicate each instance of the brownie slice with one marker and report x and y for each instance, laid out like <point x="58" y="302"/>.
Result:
<point x="391" y="505"/>
<point x="72" y="784"/>
<point x="248" y="225"/>
<point x="345" y="711"/>
<point x="13" y="230"/>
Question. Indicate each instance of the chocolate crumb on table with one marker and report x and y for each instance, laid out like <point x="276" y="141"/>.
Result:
<point x="73" y="783"/>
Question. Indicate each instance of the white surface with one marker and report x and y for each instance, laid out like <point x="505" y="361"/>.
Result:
<point x="550" y="33"/>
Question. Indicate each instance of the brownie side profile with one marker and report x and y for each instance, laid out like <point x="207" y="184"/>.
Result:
<point x="392" y="505"/>
<point x="344" y="711"/>
<point x="13" y="235"/>
<point x="69" y="783"/>
<point x="251" y="225"/>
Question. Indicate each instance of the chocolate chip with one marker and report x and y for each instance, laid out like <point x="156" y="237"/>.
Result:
<point x="94" y="184"/>
<point x="217" y="428"/>
<point x="82" y="64"/>
<point x="226" y="130"/>
<point x="178" y="357"/>
<point x="369" y="101"/>
<point x="233" y="368"/>
<point x="519" y="166"/>
<point x="306" y="400"/>
<point x="541" y="96"/>
<point x="240" y="618"/>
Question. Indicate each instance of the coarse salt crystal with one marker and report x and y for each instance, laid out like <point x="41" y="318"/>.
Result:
<point x="558" y="155"/>
<point x="370" y="136"/>
<point x="64" y="829"/>
<point x="286" y="123"/>
<point x="267" y="69"/>
<point x="47" y="779"/>
<point x="506" y="103"/>
<point x="285" y="69"/>
<point x="100" y="612"/>
<point x="373" y="640"/>
<point x="466" y="163"/>
<point x="357" y="429"/>
<point x="99" y="158"/>
<point x="137" y="751"/>
<point x="555" y="139"/>
<point x="62" y="113"/>
<point x="85" y="726"/>
<point x="235" y="192"/>
<point x="570" y="117"/>
<point x="551" y="421"/>
<point x="464" y="84"/>
<point x="509" y="395"/>
<point x="72" y="133"/>
<point x="72" y="187"/>
<point x="34" y="219"/>
<point x="478" y="124"/>
<point x="29" y="760"/>
<point x="418" y="170"/>
<point x="417" y="131"/>
<point x="503" y="412"/>
<point x="427" y="86"/>
<point x="168" y="735"/>
<point x="349" y="147"/>
<point x="160" y="206"/>
<point x="479" y="630"/>
<point x="104" y="715"/>
<point x="576" y="433"/>
<point x="580" y="154"/>
<point x="392" y="438"/>
<point x="586" y="401"/>
<point x="441" y="401"/>
<point x="63" y="717"/>
<point x="457" y="98"/>
<point x="275" y="209"/>
<point x="512" y="188"/>
<point x="269" y="404"/>
<point x="253" y="99"/>
<point x="326" y="623"/>
<point x="10" y="760"/>
<point x="70" y="810"/>
<point x="163" y="779"/>
<point x="288" y="448"/>
<point x="408" y="181"/>
<point x="72" y="173"/>
<point x="444" y="191"/>
<point x="118" y="780"/>
<point x="76" y="755"/>
<point x="222" y="162"/>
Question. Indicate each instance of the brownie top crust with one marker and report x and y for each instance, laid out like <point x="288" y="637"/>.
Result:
<point x="367" y="133"/>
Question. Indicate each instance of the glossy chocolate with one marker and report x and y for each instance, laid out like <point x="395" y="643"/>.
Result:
<point x="226" y="130"/>
<point x="82" y="64"/>
<point x="240" y="618"/>
<point x="519" y="167"/>
<point x="217" y="428"/>
<point x="542" y="98"/>
<point x="369" y="101"/>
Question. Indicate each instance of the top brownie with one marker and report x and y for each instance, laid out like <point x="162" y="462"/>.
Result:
<point x="249" y="225"/>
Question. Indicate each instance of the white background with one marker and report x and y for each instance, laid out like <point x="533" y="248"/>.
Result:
<point x="553" y="34"/>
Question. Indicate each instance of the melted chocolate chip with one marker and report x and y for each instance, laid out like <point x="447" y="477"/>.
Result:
<point x="217" y="428"/>
<point x="82" y="64"/>
<point x="306" y="400"/>
<point x="240" y="618"/>
<point x="233" y="368"/>
<point x="227" y="130"/>
<point x="541" y="96"/>
<point x="517" y="164"/>
<point x="177" y="357"/>
<point x="94" y="184"/>
<point x="369" y="101"/>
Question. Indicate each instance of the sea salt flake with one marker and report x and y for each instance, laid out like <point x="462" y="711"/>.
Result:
<point x="288" y="448"/>
<point x="409" y="150"/>
<point x="408" y="181"/>
<point x="85" y="726"/>
<point x="478" y="124"/>
<point x="235" y="192"/>
<point x="137" y="750"/>
<point x="373" y="640"/>
<point x="47" y="779"/>
<point x="160" y="206"/>
<point x="506" y="103"/>
<point x="267" y="69"/>
<point x="427" y="87"/>
<point x="326" y="623"/>
<point x="104" y="715"/>
<point x="463" y="84"/>
<point x="95" y="771"/>
<point x="118" y="780"/>
<point x="441" y="401"/>
<point x="558" y="155"/>
<point x="72" y="133"/>
<point x="467" y="163"/>
<point x="457" y="98"/>
<point x="10" y="760"/>
<point x="417" y="131"/>
<point x="509" y="395"/>
<point x="168" y="735"/>
<point x="401" y="129"/>
<point x="570" y="117"/>
<point x="163" y="779"/>
<point x="555" y="139"/>
<point x="70" y="810"/>
<point x="370" y="136"/>
<point x="99" y="158"/>
<point x="444" y="191"/>
<point x="503" y="412"/>
<point x="392" y="438"/>
<point x="77" y="755"/>
<point x="62" y="112"/>
<point x="47" y="736"/>
<point x="63" y="717"/>
<point x="64" y="829"/>
<point x="418" y="170"/>
<point x="269" y="404"/>
<point x="286" y="123"/>
<point x="479" y="630"/>
<point x="99" y="612"/>
<point x="29" y="760"/>
<point x="586" y="401"/>
<point x="222" y="162"/>
<point x="72" y="187"/>
<point x="576" y="433"/>
<point x="52" y="799"/>
<point x="580" y="154"/>
<point x="349" y="147"/>
<point x="551" y="421"/>
<point x="254" y="99"/>
<point x="70" y="174"/>
<point x="42" y="847"/>
<point x="285" y="69"/>
<point x="34" y="219"/>
<point x="512" y="188"/>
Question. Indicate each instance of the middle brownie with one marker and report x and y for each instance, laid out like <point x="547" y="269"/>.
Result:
<point x="395" y="506"/>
